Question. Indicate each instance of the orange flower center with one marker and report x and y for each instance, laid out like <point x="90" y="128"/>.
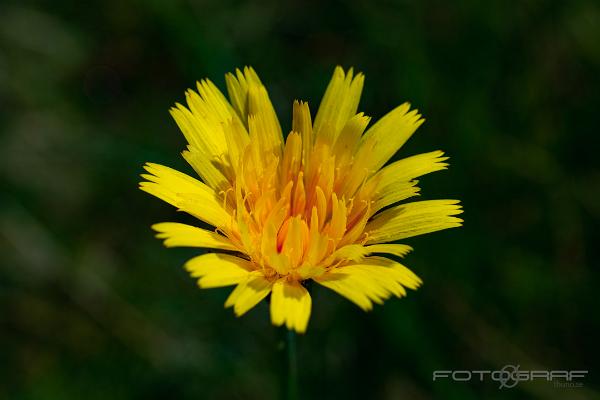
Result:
<point x="292" y="211"/>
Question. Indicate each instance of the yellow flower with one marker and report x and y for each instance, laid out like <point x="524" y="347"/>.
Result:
<point x="319" y="204"/>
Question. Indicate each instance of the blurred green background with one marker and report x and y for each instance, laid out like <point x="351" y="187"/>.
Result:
<point x="92" y="306"/>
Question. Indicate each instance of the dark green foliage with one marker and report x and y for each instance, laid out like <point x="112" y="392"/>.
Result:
<point x="93" y="307"/>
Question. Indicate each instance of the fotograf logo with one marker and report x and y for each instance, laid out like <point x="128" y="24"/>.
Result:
<point x="510" y="375"/>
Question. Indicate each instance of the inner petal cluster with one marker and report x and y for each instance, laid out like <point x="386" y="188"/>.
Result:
<point x="293" y="212"/>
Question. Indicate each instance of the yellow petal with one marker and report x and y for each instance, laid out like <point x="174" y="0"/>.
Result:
<point x="370" y="281"/>
<point x="317" y="244"/>
<point x="399" y="272"/>
<point x="302" y="124"/>
<point x="295" y="241"/>
<point x="250" y="98"/>
<point x="196" y="128"/>
<point x="182" y="235"/>
<point x="237" y="139"/>
<point x="203" y="123"/>
<point x="259" y="104"/>
<point x="388" y="134"/>
<point x="290" y="304"/>
<point x="411" y="167"/>
<point x="248" y="293"/>
<point x="351" y="252"/>
<point x="186" y="193"/>
<point x="399" y="250"/>
<point x="394" y="193"/>
<point x="206" y="167"/>
<point x="237" y="87"/>
<point x="292" y="158"/>
<point x="339" y="104"/>
<point x="216" y="270"/>
<point x="348" y="286"/>
<point x="216" y="105"/>
<point x="336" y="228"/>
<point x="349" y="137"/>
<point x="357" y="252"/>
<point x="412" y="219"/>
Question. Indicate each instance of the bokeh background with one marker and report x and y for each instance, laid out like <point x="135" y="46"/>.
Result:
<point x="92" y="306"/>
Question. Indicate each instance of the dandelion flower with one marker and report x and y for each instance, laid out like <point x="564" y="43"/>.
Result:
<point x="320" y="204"/>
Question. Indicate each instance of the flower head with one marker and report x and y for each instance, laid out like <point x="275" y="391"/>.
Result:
<point x="320" y="204"/>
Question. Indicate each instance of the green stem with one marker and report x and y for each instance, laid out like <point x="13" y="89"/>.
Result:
<point x="292" y="365"/>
